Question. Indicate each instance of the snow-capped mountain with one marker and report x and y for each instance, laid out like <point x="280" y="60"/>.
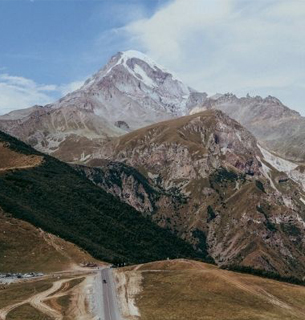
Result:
<point x="133" y="91"/>
<point x="130" y="92"/>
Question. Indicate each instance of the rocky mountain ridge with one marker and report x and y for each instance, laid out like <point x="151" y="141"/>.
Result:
<point x="277" y="127"/>
<point x="228" y="198"/>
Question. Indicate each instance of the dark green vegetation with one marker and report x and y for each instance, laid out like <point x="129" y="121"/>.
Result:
<point x="221" y="179"/>
<point x="211" y="214"/>
<point x="260" y="186"/>
<point x="264" y="210"/>
<point x="56" y="198"/>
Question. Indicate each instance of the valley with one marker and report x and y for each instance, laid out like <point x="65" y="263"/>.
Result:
<point x="169" y="289"/>
<point x="138" y="170"/>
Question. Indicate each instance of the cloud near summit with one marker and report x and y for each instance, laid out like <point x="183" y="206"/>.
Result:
<point x="235" y="46"/>
<point x="18" y="92"/>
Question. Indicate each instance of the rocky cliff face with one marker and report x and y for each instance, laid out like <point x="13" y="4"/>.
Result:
<point x="279" y="128"/>
<point x="130" y="92"/>
<point x="230" y="200"/>
<point x="124" y="182"/>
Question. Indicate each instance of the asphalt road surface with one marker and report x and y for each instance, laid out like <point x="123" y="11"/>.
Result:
<point x="110" y="303"/>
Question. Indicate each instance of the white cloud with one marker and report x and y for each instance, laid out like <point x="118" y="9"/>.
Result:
<point x="230" y="45"/>
<point x="67" y="88"/>
<point x="19" y="92"/>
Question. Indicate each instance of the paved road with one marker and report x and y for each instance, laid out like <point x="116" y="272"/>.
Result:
<point x="111" y="308"/>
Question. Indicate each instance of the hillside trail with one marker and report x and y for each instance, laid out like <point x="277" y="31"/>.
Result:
<point x="38" y="301"/>
<point x="17" y="168"/>
<point x="78" y="298"/>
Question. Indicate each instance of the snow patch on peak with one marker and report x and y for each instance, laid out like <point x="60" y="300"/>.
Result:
<point x="133" y="54"/>
<point x="143" y="76"/>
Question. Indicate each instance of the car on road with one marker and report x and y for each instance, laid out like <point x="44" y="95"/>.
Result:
<point x="104" y="281"/>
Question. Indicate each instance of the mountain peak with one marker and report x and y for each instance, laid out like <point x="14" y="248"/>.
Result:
<point x="130" y="92"/>
<point x="130" y="54"/>
<point x="134" y="54"/>
<point x="139" y="66"/>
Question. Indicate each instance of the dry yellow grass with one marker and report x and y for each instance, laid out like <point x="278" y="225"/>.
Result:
<point x="11" y="160"/>
<point x="18" y="292"/>
<point x="26" y="311"/>
<point x="192" y="290"/>
<point x="25" y="248"/>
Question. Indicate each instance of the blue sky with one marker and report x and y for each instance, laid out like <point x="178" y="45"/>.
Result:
<point x="62" y="41"/>
<point x="47" y="48"/>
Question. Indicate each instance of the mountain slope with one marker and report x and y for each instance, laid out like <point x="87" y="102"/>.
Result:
<point x="197" y="291"/>
<point x="24" y="248"/>
<point x="130" y="92"/>
<point x="223" y="195"/>
<point x="52" y="196"/>
<point x="279" y="128"/>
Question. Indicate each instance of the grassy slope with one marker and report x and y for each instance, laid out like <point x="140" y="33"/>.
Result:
<point x="194" y="291"/>
<point x="25" y="311"/>
<point x="57" y="199"/>
<point x="24" y="248"/>
<point x="18" y="292"/>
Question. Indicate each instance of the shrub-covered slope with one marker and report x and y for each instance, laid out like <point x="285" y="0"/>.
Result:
<point x="53" y="196"/>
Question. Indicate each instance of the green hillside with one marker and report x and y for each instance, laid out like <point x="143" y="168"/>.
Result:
<point x="56" y="198"/>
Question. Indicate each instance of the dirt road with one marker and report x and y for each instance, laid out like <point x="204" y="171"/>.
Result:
<point x="39" y="300"/>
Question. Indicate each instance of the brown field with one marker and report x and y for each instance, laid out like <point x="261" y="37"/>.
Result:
<point x="183" y="289"/>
